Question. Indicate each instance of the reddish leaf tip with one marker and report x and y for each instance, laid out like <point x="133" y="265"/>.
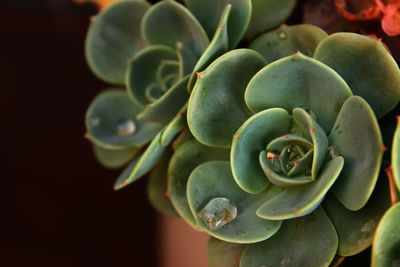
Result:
<point x="268" y="172"/>
<point x="285" y="137"/>
<point x="198" y="74"/>
<point x="180" y="113"/>
<point x="384" y="148"/>
<point x="196" y="227"/>
<point x="235" y="136"/>
<point x="298" y="213"/>
<point x="125" y="183"/>
<point x="85" y="136"/>
<point x="298" y="52"/>
<point x="220" y="27"/>
<point x="398" y="117"/>
<point x="312" y="130"/>
<point x="166" y="193"/>
<point x="297" y="162"/>
<point x="147" y="106"/>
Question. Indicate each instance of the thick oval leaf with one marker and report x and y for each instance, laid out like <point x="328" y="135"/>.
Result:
<point x="141" y="165"/>
<point x="168" y="22"/>
<point x="187" y="157"/>
<point x="208" y="12"/>
<point x="252" y="138"/>
<point x="300" y="200"/>
<point x="142" y="71"/>
<point x="223" y="254"/>
<point x="111" y="122"/>
<point x="356" y="229"/>
<point x="166" y="107"/>
<point x="157" y="187"/>
<point x="386" y="246"/>
<point x="287" y="40"/>
<point x="113" y="38"/>
<point x="214" y="179"/>
<point x="357" y="136"/>
<point x="216" y="106"/>
<point x="320" y="141"/>
<point x="111" y="158"/>
<point x="217" y="47"/>
<point x="187" y="59"/>
<point x="366" y="66"/>
<point x="299" y="81"/>
<point x="396" y="155"/>
<point x="307" y="241"/>
<point x="266" y="15"/>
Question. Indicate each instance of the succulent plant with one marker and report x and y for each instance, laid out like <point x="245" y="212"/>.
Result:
<point x="283" y="139"/>
<point x="305" y="153"/>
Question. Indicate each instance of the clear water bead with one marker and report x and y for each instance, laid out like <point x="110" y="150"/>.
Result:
<point x="126" y="128"/>
<point x="95" y="121"/>
<point x="282" y="35"/>
<point x="218" y="212"/>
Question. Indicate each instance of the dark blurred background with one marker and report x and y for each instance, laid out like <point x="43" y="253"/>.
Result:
<point x="60" y="208"/>
<point x="58" y="205"/>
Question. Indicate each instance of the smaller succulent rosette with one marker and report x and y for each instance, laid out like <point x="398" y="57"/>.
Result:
<point x="305" y="146"/>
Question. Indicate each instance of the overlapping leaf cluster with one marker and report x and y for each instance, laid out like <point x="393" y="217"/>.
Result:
<point x="281" y="158"/>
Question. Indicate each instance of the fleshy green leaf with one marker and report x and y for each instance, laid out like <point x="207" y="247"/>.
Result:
<point x="320" y="141"/>
<point x="287" y="40"/>
<point x="301" y="200"/>
<point x="307" y="241"/>
<point x="216" y="106"/>
<point x="299" y="81"/>
<point x="213" y="180"/>
<point x="266" y="15"/>
<point x="357" y="136"/>
<point x="217" y="47"/>
<point x="396" y="156"/>
<point x="187" y="60"/>
<point x="111" y="158"/>
<point x="187" y="157"/>
<point x="168" y="22"/>
<point x="142" y="71"/>
<point x="157" y="187"/>
<point x="111" y="122"/>
<point x="251" y="138"/>
<point x="386" y="246"/>
<point x="208" y="12"/>
<point x="174" y="127"/>
<point x="356" y="229"/>
<point x="113" y="38"/>
<point x="366" y="66"/>
<point x="166" y="107"/>
<point x="141" y="165"/>
<point x="223" y="254"/>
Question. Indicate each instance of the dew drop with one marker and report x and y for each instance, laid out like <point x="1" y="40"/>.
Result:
<point x="333" y="152"/>
<point x="126" y="128"/>
<point x="282" y="35"/>
<point x="95" y="121"/>
<point x="218" y="212"/>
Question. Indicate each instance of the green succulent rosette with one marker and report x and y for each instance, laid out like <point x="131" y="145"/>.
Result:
<point x="305" y="147"/>
<point x="154" y="52"/>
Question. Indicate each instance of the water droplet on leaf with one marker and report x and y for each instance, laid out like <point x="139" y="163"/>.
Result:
<point x="95" y="121"/>
<point x="126" y="128"/>
<point x="218" y="212"/>
<point x="282" y="35"/>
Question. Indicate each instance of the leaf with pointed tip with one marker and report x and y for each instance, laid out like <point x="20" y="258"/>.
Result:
<point x="157" y="187"/>
<point x="111" y="158"/>
<point x="142" y="71"/>
<point x="217" y="47"/>
<point x="168" y="22"/>
<point x="357" y="136"/>
<point x="303" y="199"/>
<point x="307" y="241"/>
<point x="366" y="66"/>
<point x="251" y="138"/>
<point x="396" y="156"/>
<point x="111" y="122"/>
<point x="266" y="15"/>
<point x="223" y="254"/>
<point x="386" y="245"/>
<point x="187" y="157"/>
<point x="113" y="38"/>
<point x="216" y="106"/>
<point x="316" y="134"/>
<point x="141" y="165"/>
<point x="174" y="127"/>
<point x="287" y="40"/>
<point x="356" y="229"/>
<point x="166" y="107"/>
<point x="210" y="17"/>
<point x="214" y="179"/>
<point x="306" y="81"/>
